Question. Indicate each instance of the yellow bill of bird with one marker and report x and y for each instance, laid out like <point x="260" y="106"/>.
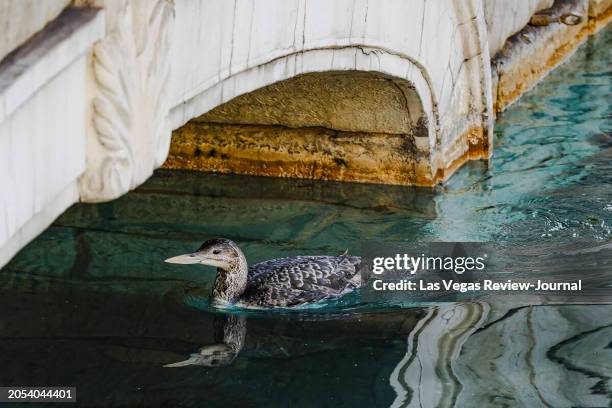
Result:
<point x="185" y="259"/>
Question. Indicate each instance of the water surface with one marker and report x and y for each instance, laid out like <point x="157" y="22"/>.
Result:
<point x="90" y="303"/>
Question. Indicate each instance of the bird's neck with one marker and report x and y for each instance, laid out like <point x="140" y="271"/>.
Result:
<point x="231" y="283"/>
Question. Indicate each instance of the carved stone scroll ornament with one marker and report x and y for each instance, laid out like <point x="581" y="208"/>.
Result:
<point x="131" y="133"/>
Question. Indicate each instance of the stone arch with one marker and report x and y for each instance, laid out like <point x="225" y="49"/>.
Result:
<point x="304" y="115"/>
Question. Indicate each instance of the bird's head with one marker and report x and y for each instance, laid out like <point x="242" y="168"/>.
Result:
<point x="219" y="252"/>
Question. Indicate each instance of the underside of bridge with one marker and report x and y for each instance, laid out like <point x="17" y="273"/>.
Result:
<point x="343" y="125"/>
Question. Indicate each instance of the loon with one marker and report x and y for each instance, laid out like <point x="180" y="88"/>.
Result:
<point x="283" y="282"/>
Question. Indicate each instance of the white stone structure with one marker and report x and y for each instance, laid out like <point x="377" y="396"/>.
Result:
<point x="88" y="104"/>
<point x="45" y="105"/>
<point x="506" y="17"/>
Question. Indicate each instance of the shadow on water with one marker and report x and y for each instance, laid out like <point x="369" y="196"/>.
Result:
<point x="90" y="302"/>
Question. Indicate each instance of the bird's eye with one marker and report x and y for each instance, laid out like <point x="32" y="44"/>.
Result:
<point x="216" y="251"/>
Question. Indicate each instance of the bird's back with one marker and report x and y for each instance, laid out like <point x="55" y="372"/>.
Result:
<point x="301" y="279"/>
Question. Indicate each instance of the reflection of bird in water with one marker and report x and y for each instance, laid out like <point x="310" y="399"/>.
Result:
<point x="229" y="335"/>
<point x="278" y="282"/>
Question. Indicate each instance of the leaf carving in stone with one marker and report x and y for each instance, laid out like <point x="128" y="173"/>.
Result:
<point x="130" y="107"/>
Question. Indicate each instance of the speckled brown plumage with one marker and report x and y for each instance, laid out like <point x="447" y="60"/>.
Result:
<point x="283" y="282"/>
<point x="301" y="279"/>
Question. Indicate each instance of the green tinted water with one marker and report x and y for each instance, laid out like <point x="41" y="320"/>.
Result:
<point x="90" y="303"/>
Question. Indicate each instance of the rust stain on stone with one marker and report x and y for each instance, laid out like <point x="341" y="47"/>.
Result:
<point x="313" y="153"/>
<point x="532" y="53"/>
<point x="474" y="146"/>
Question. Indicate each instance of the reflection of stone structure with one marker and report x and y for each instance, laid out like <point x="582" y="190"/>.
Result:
<point x="426" y="376"/>
<point x="482" y="355"/>
<point x="394" y="92"/>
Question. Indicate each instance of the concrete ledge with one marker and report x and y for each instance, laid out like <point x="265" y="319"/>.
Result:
<point x="310" y="152"/>
<point x="33" y="64"/>
<point x="44" y="112"/>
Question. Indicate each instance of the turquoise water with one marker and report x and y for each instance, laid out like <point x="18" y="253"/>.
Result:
<point x="90" y="303"/>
